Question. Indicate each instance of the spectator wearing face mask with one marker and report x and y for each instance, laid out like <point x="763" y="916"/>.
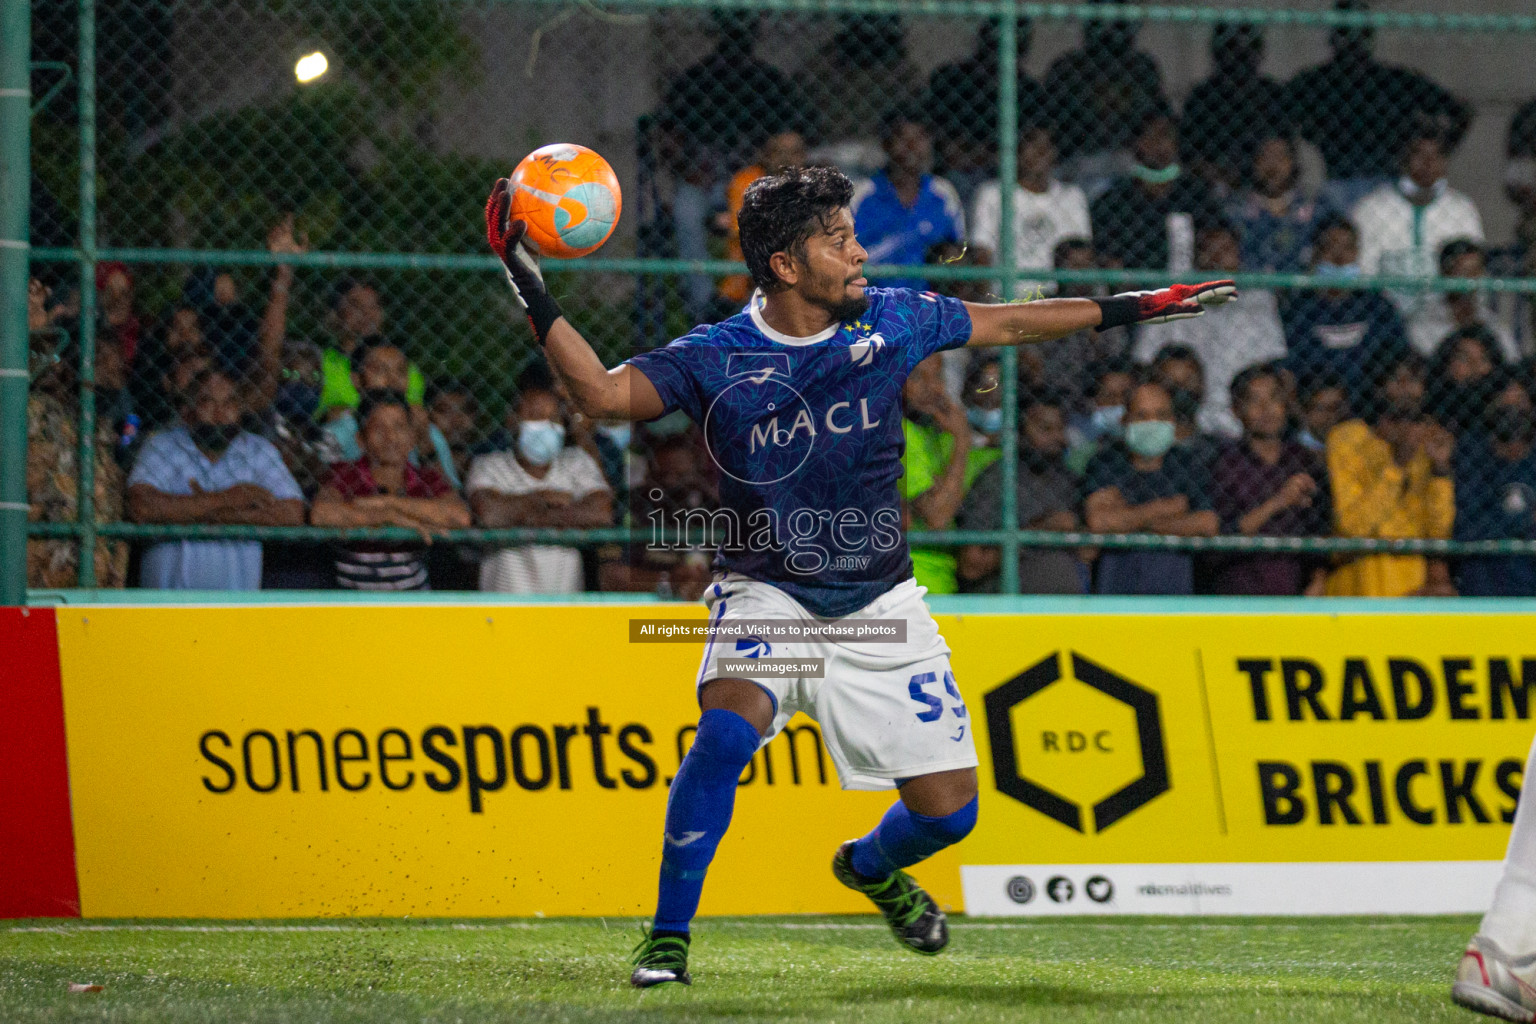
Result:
<point x="383" y="488"/>
<point x="1356" y="110"/>
<point x="1047" y="497"/>
<point x="1266" y="486"/>
<point x="543" y="481"/>
<point x="1250" y="336"/>
<point x="1111" y="383"/>
<point x="1341" y="333"/>
<point x="1277" y="218"/>
<point x="615" y="445"/>
<point x="1495" y="474"/>
<point x="210" y="471"/>
<point x="1391" y="477"/>
<point x="982" y="396"/>
<point x="1405" y="225"/>
<point x="1145" y="484"/>
<point x="1148" y="220"/>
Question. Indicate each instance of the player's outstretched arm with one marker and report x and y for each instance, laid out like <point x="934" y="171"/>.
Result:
<point x="1023" y="323"/>
<point x="622" y="393"/>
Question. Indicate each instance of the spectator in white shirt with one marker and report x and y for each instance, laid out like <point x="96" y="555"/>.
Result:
<point x="1045" y="211"/>
<point x="542" y="481"/>
<point x="1404" y="226"/>
<point x="1252" y="334"/>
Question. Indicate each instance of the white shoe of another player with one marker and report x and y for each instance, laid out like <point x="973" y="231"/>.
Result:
<point x="1489" y="981"/>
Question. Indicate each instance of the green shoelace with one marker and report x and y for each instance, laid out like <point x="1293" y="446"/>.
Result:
<point x="665" y="953"/>
<point x="905" y="905"/>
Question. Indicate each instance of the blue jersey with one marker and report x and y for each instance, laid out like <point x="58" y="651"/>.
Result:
<point x="806" y="436"/>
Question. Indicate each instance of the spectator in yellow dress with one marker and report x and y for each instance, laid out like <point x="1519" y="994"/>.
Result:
<point x="1392" y="478"/>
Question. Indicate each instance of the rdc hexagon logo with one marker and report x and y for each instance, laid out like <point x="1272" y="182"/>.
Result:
<point x="1106" y="739"/>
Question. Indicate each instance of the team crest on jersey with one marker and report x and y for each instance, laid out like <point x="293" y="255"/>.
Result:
<point x="862" y="351"/>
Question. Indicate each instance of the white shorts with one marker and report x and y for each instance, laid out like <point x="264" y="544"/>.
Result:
<point x="887" y="711"/>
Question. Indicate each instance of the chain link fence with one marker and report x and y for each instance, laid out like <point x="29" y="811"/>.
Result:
<point x="241" y="252"/>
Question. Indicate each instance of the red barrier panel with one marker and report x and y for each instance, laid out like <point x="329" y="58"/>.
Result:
<point x="37" y="842"/>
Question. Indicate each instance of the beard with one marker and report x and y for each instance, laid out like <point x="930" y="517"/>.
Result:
<point x="848" y="309"/>
<point x="842" y="307"/>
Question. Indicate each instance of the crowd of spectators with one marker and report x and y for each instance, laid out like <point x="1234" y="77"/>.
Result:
<point x="1294" y="412"/>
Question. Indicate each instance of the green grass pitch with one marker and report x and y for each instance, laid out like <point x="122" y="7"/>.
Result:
<point x="745" y="969"/>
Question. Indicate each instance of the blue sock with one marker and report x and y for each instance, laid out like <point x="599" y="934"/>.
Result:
<point x="699" y="811"/>
<point x="904" y="837"/>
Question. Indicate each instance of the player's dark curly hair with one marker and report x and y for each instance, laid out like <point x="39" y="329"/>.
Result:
<point x="780" y="212"/>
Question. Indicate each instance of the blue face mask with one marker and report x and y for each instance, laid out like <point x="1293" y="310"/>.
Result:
<point x="618" y="433"/>
<point x="1155" y="175"/>
<point x="1338" y="271"/>
<point x="297" y="401"/>
<point x="1149" y="438"/>
<point x="988" y="421"/>
<point x="539" y="441"/>
<point x="1106" y="420"/>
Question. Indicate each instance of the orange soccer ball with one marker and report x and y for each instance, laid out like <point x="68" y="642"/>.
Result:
<point x="569" y="197"/>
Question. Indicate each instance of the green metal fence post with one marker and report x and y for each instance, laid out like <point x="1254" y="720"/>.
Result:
<point x="1007" y="176"/>
<point x="15" y="195"/>
<point x="87" y="455"/>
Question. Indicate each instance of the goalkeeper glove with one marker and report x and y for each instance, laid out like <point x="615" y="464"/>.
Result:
<point x="506" y="238"/>
<point x="1176" y="302"/>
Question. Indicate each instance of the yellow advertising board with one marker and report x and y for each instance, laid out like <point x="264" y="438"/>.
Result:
<point x="1199" y="740"/>
<point x="388" y="760"/>
<point x="513" y="760"/>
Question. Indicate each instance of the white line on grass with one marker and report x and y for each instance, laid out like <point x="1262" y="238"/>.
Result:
<point x="380" y="925"/>
<point x="201" y="928"/>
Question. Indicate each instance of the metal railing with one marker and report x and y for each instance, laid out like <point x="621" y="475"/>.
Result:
<point x="15" y="257"/>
